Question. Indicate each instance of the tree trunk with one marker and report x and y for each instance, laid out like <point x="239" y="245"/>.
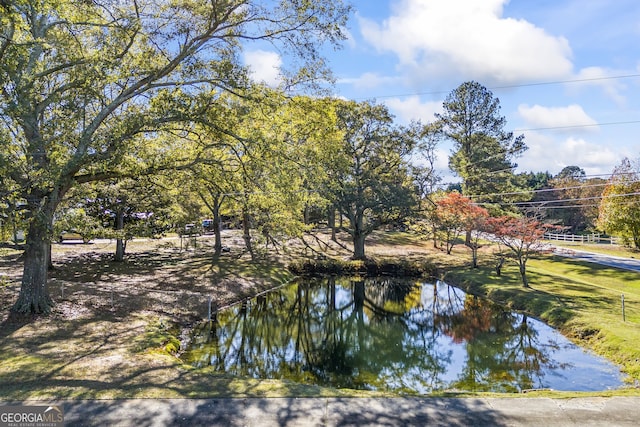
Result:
<point x="120" y="245"/>
<point x="49" y="260"/>
<point x="15" y="231"/>
<point x="358" y="245"/>
<point x="217" y="229"/>
<point x="306" y="215"/>
<point x="474" y="255"/>
<point x="499" y="266"/>
<point x="523" y="274"/>
<point x="636" y="237"/>
<point x="34" y="293"/>
<point x="331" y="220"/>
<point x="246" y="227"/>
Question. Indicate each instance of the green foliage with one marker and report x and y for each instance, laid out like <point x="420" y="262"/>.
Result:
<point x="158" y="336"/>
<point x="483" y="151"/>
<point x="369" y="179"/>
<point x="92" y="93"/>
<point x="536" y="180"/>
<point x="370" y="267"/>
<point x="621" y="203"/>
<point x="77" y="220"/>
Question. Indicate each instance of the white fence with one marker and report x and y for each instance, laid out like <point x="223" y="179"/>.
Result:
<point x="583" y="238"/>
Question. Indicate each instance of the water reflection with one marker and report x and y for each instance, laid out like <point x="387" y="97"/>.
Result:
<point x="390" y="334"/>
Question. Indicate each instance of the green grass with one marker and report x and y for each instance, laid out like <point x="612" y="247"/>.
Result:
<point x="581" y="299"/>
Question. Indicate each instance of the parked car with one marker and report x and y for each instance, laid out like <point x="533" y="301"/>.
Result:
<point x="190" y="230"/>
<point x="207" y="225"/>
<point x="72" y="235"/>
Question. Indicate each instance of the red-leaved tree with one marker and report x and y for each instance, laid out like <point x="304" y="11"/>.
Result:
<point x="523" y="236"/>
<point x="456" y="214"/>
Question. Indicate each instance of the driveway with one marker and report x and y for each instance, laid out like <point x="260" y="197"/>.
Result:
<point x="608" y="260"/>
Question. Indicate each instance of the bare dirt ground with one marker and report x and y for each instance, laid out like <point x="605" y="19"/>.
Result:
<point x="111" y="320"/>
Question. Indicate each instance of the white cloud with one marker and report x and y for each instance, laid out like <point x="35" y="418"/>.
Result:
<point x="412" y="108"/>
<point x="468" y="38"/>
<point x="442" y="166"/>
<point x="598" y="76"/>
<point x="264" y="66"/>
<point x="556" y="117"/>
<point x="554" y="154"/>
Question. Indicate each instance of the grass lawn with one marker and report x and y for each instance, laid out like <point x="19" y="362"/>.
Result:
<point x="114" y="324"/>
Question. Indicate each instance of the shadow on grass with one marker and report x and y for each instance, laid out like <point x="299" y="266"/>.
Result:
<point x="560" y="288"/>
<point x="96" y="344"/>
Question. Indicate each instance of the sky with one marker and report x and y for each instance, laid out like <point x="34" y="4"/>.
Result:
<point x="566" y="72"/>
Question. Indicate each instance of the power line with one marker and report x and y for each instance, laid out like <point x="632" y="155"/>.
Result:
<point x="543" y="204"/>
<point x="600" y="175"/>
<point x="515" y="86"/>
<point x="579" y="126"/>
<point x="592" y="79"/>
<point x="576" y="199"/>
<point x="570" y="206"/>
<point x="580" y="206"/>
<point x="544" y="190"/>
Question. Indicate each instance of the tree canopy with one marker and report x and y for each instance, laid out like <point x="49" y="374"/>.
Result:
<point x="621" y="203"/>
<point x="368" y="180"/>
<point x="522" y="236"/>
<point x="483" y="150"/>
<point x="90" y="88"/>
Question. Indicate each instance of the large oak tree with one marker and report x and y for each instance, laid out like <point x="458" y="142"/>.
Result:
<point x="368" y="178"/>
<point x="87" y="88"/>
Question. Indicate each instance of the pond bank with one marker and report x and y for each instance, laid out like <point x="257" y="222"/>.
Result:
<point x="111" y="325"/>
<point x="403" y="336"/>
<point x="580" y="299"/>
<point x="369" y="267"/>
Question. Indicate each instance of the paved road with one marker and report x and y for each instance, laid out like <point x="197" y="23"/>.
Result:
<point x="593" y="411"/>
<point x="608" y="260"/>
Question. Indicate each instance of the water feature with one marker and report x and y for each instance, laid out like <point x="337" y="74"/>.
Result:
<point x="394" y="335"/>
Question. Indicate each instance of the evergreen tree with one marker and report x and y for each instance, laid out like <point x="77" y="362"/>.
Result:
<point x="483" y="150"/>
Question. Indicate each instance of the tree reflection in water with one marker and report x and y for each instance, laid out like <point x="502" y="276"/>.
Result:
<point x="377" y="334"/>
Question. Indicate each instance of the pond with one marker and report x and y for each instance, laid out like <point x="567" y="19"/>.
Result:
<point x="393" y="335"/>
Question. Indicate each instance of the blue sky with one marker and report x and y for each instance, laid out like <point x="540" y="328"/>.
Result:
<point x="567" y="72"/>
